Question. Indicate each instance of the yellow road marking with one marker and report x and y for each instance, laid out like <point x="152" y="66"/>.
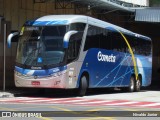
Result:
<point x="78" y="113"/>
<point x="127" y="109"/>
<point x="100" y="109"/>
<point x="7" y="109"/>
<point x="62" y="109"/>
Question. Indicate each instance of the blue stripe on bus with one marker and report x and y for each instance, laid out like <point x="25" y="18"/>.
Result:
<point x="65" y="44"/>
<point x="40" y="72"/>
<point x="45" y="23"/>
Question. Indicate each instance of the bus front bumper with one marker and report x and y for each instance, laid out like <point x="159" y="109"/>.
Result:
<point x="46" y="82"/>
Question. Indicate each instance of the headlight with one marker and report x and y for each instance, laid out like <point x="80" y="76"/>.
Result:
<point x="56" y="74"/>
<point x="59" y="73"/>
<point x="18" y="73"/>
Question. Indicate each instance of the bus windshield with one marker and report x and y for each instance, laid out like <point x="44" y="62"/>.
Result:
<point x="39" y="46"/>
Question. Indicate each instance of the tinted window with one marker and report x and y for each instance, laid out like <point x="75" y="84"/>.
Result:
<point x="139" y="45"/>
<point x="110" y="40"/>
<point x="92" y="39"/>
<point x="118" y="42"/>
<point x="74" y="46"/>
<point x="78" y="26"/>
<point x="106" y="40"/>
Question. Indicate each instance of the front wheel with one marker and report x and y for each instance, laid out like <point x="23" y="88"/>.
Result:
<point x="83" y="86"/>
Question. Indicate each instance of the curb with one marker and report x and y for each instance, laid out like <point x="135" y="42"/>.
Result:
<point x="6" y="95"/>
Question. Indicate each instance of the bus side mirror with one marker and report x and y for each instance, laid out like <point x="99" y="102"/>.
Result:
<point x="67" y="37"/>
<point x="11" y="37"/>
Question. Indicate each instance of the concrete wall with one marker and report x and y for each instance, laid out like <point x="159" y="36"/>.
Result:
<point x="18" y="11"/>
<point x="10" y="57"/>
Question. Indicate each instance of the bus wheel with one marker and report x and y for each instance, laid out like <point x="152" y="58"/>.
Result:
<point x="137" y="85"/>
<point x="132" y="84"/>
<point x="83" y="86"/>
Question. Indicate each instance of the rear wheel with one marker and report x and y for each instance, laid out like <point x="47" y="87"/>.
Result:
<point x="131" y="87"/>
<point x="83" y="85"/>
<point x="137" y="85"/>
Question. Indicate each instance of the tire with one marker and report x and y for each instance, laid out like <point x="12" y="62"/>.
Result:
<point x="137" y="85"/>
<point x="131" y="87"/>
<point x="83" y="86"/>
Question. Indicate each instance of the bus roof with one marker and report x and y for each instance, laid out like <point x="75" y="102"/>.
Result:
<point x="51" y="20"/>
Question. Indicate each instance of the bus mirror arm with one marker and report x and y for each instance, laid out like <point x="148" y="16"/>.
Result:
<point x="67" y="37"/>
<point x="9" y="39"/>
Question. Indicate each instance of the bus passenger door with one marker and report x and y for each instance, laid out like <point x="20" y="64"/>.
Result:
<point x="72" y="58"/>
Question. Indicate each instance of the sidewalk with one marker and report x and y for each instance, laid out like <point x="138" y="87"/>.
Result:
<point x="14" y="92"/>
<point x="6" y="94"/>
<point x="10" y="92"/>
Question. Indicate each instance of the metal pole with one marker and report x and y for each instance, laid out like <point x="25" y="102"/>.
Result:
<point x="4" y="50"/>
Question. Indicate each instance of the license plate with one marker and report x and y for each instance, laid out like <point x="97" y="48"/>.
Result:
<point x="35" y="83"/>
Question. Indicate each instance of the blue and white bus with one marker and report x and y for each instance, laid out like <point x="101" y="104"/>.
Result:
<point x="81" y="52"/>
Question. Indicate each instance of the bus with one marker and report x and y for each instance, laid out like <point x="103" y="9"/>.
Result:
<point x="80" y="52"/>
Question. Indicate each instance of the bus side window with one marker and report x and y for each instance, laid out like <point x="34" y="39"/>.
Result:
<point x="139" y="46"/>
<point x="92" y="38"/>
<point x="118" y="43"/>
<point x="106" y="40"/>
<point x="74" y="46"/>
<point x="78" y="26"/>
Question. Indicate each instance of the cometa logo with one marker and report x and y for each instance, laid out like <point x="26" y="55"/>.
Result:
<point x="106" y="58"/>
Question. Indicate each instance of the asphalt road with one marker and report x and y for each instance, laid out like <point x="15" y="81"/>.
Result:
<point x="98" y="104"/>
<point x="69" y="112"/>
